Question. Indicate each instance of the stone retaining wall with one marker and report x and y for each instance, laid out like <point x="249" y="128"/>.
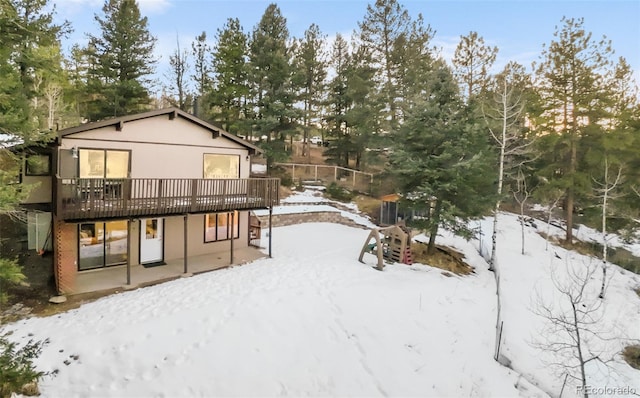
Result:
<point x="281" y="220"/>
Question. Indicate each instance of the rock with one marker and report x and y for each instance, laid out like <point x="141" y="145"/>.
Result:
<point x="58" y="299"/>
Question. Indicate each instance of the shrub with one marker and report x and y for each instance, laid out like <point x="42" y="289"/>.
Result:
<point x="10" y="273"/>
<point x="283" y="175"/>
<point x="631" y="354"/>
<point x="17" y="373"/>
<point x="334" y="191"/>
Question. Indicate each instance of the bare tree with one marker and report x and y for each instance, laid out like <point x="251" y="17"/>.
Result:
<point x="507" y="112"/>
<point x="53" y="95"/>
<point x="178" y="68"/>
<point x="573" y="332"/>
<point x="551" y="198"/>
<point x="605" y="192"/>
<point x="521" y="195"/>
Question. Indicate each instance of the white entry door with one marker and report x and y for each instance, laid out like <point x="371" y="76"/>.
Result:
<point x="151" y="240"/>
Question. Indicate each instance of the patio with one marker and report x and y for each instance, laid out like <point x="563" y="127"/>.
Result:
<point x="116" y="277"/>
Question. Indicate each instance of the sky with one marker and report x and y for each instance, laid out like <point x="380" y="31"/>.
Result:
<point x="313" y="321"/>
<point x="518" y="28"/>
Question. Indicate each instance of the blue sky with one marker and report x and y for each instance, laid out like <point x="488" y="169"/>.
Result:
<point x="518" y="28"/>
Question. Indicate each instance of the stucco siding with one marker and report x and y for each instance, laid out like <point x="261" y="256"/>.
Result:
<point x="174" y="233"/>
<point x="161" y="148"/>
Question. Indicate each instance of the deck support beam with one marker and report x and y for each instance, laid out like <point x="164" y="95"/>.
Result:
<point x="186" y="224"/>
<point x="270" y="228"/>
<point x="129" y="223"/>
<point x="233" y="234"/>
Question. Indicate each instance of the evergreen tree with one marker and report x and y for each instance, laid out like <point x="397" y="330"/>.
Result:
<point x="122" y="61"/>
<point x="364" y="116"/>
<point x="338" y="102"/>
<point x="415" y="57"/>
<point x="30" y="60"/>
<point x="310" y="72"/>
<point x="353" y="104"/>
<point x="77" y="96"/>
<point x="472" y="61"/>
<point x="29" y="53"/>
<point x="229" y="96"/>
<point x="575" y="101"/>
<point x="384" y="30"/>
<point x="271" y="77"/>
<point x="442" y="159"/>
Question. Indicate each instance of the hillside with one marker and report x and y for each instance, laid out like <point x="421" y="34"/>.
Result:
<point x="313" y="321"/>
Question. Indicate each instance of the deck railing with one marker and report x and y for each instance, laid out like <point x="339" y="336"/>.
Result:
<point x="111" y="198"/>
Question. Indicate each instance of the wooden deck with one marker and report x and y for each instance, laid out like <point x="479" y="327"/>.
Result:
<point x="81" y="199"/>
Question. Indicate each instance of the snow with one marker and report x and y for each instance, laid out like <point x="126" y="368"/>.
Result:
<point x="313" y="321"/>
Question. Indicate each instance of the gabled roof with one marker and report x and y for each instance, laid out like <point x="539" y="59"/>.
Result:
<point x="172" y="113"/>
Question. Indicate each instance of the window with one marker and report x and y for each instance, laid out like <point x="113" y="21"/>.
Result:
<point x="38" y="165"/>
<point x="220" y="226"/>
<point x="102" y="244"/>
<point x="100" y="163"/>
<point x="221" y="166"/>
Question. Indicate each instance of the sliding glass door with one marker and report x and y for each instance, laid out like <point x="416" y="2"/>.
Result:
<point x="102" y="244"/>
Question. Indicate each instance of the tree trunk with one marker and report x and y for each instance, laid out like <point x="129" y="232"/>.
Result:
<point x="522" y="226"/>
<point x="433" y="230"/>
<point x="604" y="228"/>
<point x="569" y="216"/>
<point x="503" y="144"/>
<point x="578" y="342"/>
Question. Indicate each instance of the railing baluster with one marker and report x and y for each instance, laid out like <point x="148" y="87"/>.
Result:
<point x="92" y="198"/>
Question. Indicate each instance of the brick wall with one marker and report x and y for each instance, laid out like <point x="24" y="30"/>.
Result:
<point x="65" y="256"/>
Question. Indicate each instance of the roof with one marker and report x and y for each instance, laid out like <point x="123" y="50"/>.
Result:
<point x="172" y="113"/>
<point x="393" y="197"/>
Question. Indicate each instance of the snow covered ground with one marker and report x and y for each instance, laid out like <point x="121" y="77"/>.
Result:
<point x="313" y="321"/>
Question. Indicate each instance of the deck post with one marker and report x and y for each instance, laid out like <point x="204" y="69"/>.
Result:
<point x="233" y="233"/>
<point x="129" y="222"/>
<point x="270" y="228"/>
<point x="186" y="216"/>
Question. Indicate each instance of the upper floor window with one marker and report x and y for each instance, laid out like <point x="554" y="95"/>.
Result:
<point x="103" y="163"/>
<point x="221" y="166"/>
<point x="38" y="165"/>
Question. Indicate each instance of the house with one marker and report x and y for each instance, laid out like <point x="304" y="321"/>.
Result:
<point x="141" y="198"/>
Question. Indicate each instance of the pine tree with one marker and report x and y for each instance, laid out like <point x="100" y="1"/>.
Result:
<point x="574" y="100"/>
<point x="338" y="102"/>
<point x="472" y="61"/>
<point x="30" y="61"/>
<point x="122" y="61"/>
<point x="228" y="98"/>
<point x="442" y="159"/>
<point x="271" y="79"/>
<point x="311" y="70"/>
<point x="415" y="56"/>
<point x="29" y="52"/>
<point x="384" y="30"/>
<point x="364" y="115"/>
